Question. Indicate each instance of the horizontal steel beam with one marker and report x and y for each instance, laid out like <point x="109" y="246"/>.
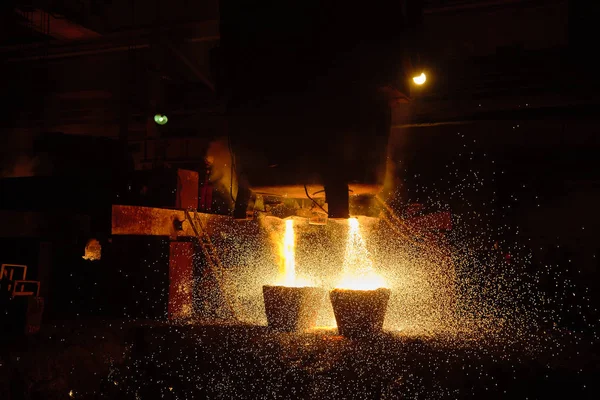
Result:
<point x="205" y="31"/>
<point x="560" y="112"/>
<point x="452" y="7"/>
<point x="150" y="221"/>
<point x="57" y="27"/>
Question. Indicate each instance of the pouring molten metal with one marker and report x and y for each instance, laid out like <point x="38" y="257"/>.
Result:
<point x="358" y="272"/>
<point x="360" y="299"/>
<point x="287" y="271"/>
<point x="293" y="303"/>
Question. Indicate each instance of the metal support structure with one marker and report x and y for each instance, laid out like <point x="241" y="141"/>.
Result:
<point x="206" y="31"/>
<point x="56" y="26"/>
<point x="560" y="112"/>
<point x="148" y="221"/>
<point x="182" y="57"/>
<point x="212" y="258"/>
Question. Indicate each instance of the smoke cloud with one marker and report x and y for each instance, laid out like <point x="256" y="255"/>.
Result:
<point x="220" y="159"/>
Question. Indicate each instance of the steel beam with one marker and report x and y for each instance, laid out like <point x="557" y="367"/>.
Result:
<point x="206" y="31"/>
<point x="149" y="221"/>
<point x="57" y="27"/>
<point x="184" y="59"/>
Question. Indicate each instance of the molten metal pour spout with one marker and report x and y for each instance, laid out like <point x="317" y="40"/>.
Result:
<point x="337" y="197"/>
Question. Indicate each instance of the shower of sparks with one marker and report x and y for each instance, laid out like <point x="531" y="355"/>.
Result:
<point x="358" y="271"/>
<point x="467" y="314"/>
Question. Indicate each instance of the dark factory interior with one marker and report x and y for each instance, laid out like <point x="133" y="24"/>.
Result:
<point x="235" y="199"/>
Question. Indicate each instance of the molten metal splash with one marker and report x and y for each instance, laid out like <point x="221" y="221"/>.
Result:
<point x="358" y="272"/>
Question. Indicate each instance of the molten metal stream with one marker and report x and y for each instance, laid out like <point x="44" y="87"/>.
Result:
<point x="358" y="272"/>
<point x="289" y="254"/>
<point x="287" y="249"/>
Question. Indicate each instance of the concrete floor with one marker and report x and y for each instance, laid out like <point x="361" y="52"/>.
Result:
<point x="143" y="360"/>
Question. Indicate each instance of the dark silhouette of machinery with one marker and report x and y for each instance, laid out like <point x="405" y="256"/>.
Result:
<point x="308" y="87"/>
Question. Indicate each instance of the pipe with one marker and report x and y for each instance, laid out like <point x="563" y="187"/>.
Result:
<point x="192" y="67"/>
<point x="209" y="26"/>
<point x="559" y="112"/>
<point x="209" y="32"/>
<point x="79" y="53"/>
<point x="474" y="5"/>
<point x="430" y="124"/>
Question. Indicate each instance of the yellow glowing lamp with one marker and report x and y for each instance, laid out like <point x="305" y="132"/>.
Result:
<point x="419" y="80"/>
<point x="161" y="119"/>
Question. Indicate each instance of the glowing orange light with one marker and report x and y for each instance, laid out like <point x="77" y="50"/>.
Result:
<point x="93" y="250"/>
<point x="419" y="80"/>
<point x="287" y="271"/>
<point x="289" y="253"/>
<point x="358" y="271"/>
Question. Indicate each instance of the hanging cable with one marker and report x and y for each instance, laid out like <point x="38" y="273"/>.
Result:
<point x="232" y="168"/>
<point x="313" y="200"/>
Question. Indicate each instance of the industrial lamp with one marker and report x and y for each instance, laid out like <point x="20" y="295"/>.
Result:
<point x="420" y="79"/>
<point x="161" y="119"/>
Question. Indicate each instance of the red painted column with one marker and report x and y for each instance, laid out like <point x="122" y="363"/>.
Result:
<point x="181" y="274"/>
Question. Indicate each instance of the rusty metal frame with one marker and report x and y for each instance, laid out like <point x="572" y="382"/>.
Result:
<point x="16" y="293"/>
<point x="12" y="271"/>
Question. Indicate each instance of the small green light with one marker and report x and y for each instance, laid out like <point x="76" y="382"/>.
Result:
<point x="161" y="119"/>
